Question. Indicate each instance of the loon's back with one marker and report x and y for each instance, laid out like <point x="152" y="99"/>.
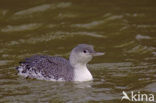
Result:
<point x="46" y="68"/>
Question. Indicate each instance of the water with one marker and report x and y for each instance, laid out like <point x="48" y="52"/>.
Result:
<point x="124" y="30"/>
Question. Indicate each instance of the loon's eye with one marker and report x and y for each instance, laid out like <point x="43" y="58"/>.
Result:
<point x="85" y="51"/>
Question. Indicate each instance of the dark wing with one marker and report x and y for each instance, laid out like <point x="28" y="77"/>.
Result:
<point x="48" y="66"/>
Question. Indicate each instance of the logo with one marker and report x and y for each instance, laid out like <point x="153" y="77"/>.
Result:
<point x="137" y="96"/>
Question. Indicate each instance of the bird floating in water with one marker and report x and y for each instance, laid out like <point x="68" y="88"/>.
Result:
<point x="54" y="68"/>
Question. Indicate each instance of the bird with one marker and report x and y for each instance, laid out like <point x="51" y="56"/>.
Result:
<point x="56" y="68"/>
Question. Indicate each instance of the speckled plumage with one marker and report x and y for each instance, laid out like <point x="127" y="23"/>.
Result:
<point x="55" y="68"/>
<point x="46" y="68"/>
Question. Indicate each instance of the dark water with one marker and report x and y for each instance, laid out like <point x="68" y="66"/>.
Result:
<point x="124" y="30"/>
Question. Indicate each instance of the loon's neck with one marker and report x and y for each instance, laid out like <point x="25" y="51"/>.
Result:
<point x="81" y="73"/>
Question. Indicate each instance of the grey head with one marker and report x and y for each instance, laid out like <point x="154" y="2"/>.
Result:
<point x="82" y="54"/>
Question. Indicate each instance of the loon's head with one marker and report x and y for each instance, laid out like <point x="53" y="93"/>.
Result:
<point x="82" y="54"/>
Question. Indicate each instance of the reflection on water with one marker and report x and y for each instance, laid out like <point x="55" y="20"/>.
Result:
<point x="124" y="30"/>
<point x="42" y="8"/>
<point x="24" y="27"/>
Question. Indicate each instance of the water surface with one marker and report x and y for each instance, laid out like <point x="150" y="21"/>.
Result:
<point x="124" y="30"/>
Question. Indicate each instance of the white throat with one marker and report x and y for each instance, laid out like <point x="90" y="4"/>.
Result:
<point x="81" y="73"/>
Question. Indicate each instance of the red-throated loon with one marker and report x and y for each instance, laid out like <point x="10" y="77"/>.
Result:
<point x="55" y="68"/>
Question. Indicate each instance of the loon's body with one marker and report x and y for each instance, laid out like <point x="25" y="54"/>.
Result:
<point x="55" y="68"/>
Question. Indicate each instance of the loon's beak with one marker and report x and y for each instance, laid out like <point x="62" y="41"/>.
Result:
<point x="97" y="53"/>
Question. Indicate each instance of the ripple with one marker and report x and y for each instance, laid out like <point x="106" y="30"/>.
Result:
<point x="154" y="53"/>
<point x="4" y="62"/>
<point x="107" y="18"/>
<point x="111" y="65"/>
<point x="39" y="8"/>
<point x="24" y="27"/>
<point x="141" y="49"/>
<point x="3" y="12"/>
<point x="42" y="8"/>
<point x="141" y="37"/>
<point x="151" y="87"/>
<point x="89" y="25"/>
<point x="135" y="14"/>
<point x="146" y="26"/>
<point x="12" y="43"/>
<point x="66" y="15"/>
<point x="58" y="35"/>
<point x="125" y="44"/>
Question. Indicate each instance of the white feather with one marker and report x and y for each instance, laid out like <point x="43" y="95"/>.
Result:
<point x="81" y="73"/>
